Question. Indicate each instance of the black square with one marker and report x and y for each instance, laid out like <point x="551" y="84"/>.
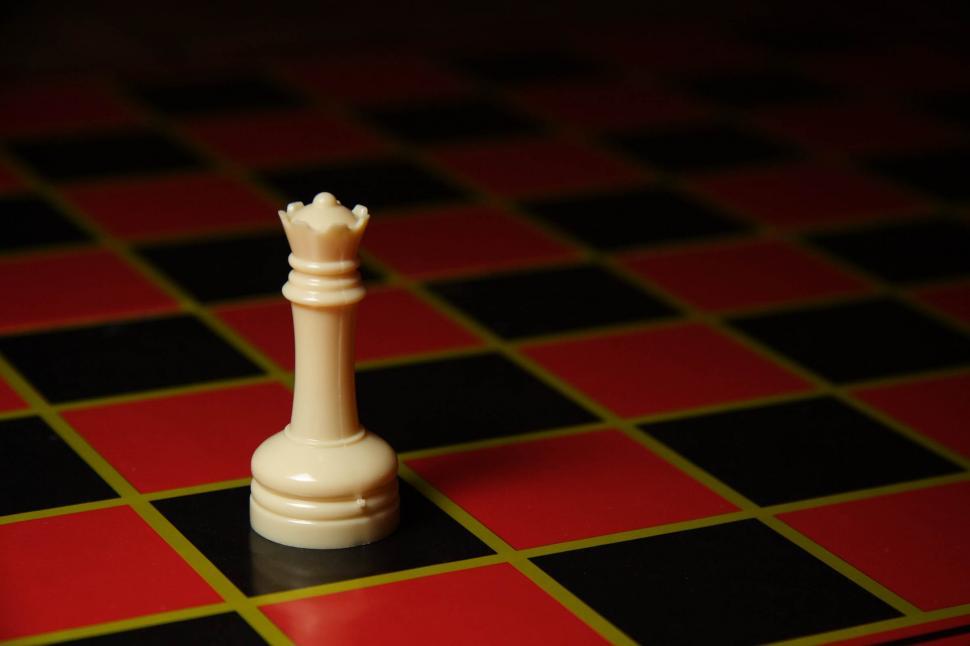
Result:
<point x="758" y="88"/>
<point x="527" y="67"/>
<point x="941" y="173"/>
<point x="40" y="470"/>
<point x="952" y="106"/>
<point x="791" y="39"/>
<point x="215" y="96"/>
<point x="640" y="217"/>
<point x="217" y="523"/>
<point x="29" y="221"/>
<point x="102" y="155"/>
<point x="702" y="148"/>
<point x="738" y="583"/>
<point x="919" y="250"/>
<point x="862" y="340"/>
<point x="450" y="401"/>
<point x="221" y="269"/>
<point x="234" y="267"/>
<point x="379" y="184"/>
<point x="123" y="357"/>
<point x="225" y="628"/>
<point x="798" y="450"/>
<point x="551" y="300"/>
<point x="455" y="121"/>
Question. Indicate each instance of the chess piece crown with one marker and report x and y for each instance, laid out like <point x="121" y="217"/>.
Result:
<point x="324" y="232"/>
<point x="324" y="236"/>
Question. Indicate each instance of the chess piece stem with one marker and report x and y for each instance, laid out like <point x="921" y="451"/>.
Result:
<point x="324" y="398"/>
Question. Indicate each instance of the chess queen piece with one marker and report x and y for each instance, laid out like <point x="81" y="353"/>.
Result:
<point x="324" y="481"/>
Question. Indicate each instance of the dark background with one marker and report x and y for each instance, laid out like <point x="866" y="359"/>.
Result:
<point x="135" y="38"/>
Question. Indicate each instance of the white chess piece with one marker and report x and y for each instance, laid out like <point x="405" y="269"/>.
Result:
<point x="323" y="481"/>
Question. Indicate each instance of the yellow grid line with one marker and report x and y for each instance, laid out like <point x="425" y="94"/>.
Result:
<point x="60" y="510"/>
<point x="344" y="585"/>
<point x="160" y="393"/>
<point x="509" y="351"/>
<point x="880" y="626"/>
<point x="15" y="414"/>
<point x="109" y="627"/>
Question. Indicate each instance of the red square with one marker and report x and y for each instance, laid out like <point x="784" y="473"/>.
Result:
<point x="171" y="205"/>
<point x="664" y="369"/>
<point x="60" y="106"/>
<point x="609" y="105"/>
<point x="185" y="440"/>
<point x="9" y="182"/>
<point x="747" y="273"/>
<point x="459" y="239"/>
<point x="937" y="407"/>
<point x="953" y="300"/>
<point x="377" y="79"/>
<point x="914" y="70"/>
<point x="570" y="487"/>
<point x="280" y="138"/>
<point x="268" y="325"/>
<point x="858" y="128"/>
<point x="675" y="47"/>
<point x="486" y="605"/>
<point x="914" y="543"/>
<point x="74" y="287"/>
<point x="82" y="569"/>
<point x="528" y="167"/>
<point x="9" y="399"/>
<point x="391" y="322"/>
<point x="805" y="194"/>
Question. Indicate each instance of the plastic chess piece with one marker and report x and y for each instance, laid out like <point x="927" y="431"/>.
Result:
<point x="324" y="481"/>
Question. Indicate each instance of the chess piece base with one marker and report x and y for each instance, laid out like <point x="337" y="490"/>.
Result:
<point x="324" y="495"/>
<point x="322" y="534"/>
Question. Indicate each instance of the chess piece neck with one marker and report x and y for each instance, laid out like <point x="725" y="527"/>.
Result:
<point x="323" y="284"/>
<point x="324" y="288"/>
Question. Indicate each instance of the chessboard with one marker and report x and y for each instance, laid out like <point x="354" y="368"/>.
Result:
<point x="669" y="325"/>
